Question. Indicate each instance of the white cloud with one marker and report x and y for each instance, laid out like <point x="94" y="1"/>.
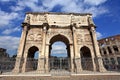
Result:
<point x="79" y="6"/>
<point x="59" y="52"/>
<point x="96" y="11"/>
<point x="32" y="4"/>
<point x="9" y="42"/>
<point x="5" y="0"/>
<point x="17" y="8"/>
<point x="99" y="35"/>
<point x="11" y="30"/>
<point x="94" y="2"/>
<point x="6" y="18"/>
<point x="58" y="48"/>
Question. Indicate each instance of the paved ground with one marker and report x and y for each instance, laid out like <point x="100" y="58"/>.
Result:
<point x="86" y="75"/>
<point x="83" y="77"/>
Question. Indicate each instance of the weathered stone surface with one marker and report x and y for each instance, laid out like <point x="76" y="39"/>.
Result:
<point x="41" y="30"/>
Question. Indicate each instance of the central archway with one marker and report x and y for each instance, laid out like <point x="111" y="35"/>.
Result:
<point x="56" y="61"/>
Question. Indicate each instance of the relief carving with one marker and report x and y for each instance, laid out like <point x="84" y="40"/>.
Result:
<point x="53" y="32"/>
<point x="84" y="20"/>
<point x="34" y="37"/>
<point x="30" y="37"/>
<point x="41" y="18"/>
<point x="87" y="38"/>
<point x="79" y="38"/>
<point x="76" y="20"/>
<point x="34" y="18"/>
<point x="38" y="18"/>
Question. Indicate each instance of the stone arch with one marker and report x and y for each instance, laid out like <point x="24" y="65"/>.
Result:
<point x="27" y="47"/>
<point x="64" y="61"/>
<point x="106" y="63"/>
<point x="86" y="58"/>
<point x="61" y="38"/>
<point x="69" y="37"/>
<point x="31" y="62"/>
<point x="104" y="51"/>
<point x="109" y="50"/>
<point x="115" y="48"/>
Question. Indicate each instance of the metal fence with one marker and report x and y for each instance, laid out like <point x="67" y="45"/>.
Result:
<point x="111" y="65"/>
<point x="57" y="65"/>
<point x="31" y="64"/>
<point x="7" y="64"/>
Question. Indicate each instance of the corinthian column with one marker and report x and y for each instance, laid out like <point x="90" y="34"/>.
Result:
<point x="47" y="58"/>
<point x="96" y="49"/>
<point x="77" y="55"/>
<point x="41" y="60"/>
<point x="19" y="59"/>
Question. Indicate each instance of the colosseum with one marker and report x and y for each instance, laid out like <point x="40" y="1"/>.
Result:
<point x="110" y="51"/>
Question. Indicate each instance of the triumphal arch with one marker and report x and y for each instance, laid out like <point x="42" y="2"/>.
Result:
<point x="41" y="30"/>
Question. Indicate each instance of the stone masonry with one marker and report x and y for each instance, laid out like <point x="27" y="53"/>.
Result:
<point x="41" y="30"/>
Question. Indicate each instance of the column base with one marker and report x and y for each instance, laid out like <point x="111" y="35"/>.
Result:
<point x="41" y="65"/>
<point x="47" y="66"/>
<point x="47" y="71"/>
<point x="15" y="71"/>
<point x="94" y="65"/>
<point x="101" y="66"/>
<point x="78" y="67"/>
<point x="18" y="65"/>
<point x="41" y="71"/>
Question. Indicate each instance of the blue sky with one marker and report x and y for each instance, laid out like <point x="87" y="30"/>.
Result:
<point x="106" y="15"/>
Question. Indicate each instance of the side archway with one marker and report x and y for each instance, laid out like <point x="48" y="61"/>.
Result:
<point x="32" y="58"/>
<point x="86" y="59"/>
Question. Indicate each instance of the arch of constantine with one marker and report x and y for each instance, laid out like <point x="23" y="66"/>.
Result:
<point x="41" y="30"/>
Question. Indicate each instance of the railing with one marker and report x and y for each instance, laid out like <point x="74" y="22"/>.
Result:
<point x="87" y="64"/>
<point x="58" y="65"/>
<point x="111" y="65"/>
<point x="31" y="64"/>
<point x="7" y="64"/>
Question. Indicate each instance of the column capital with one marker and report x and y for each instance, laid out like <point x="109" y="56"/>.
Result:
<point x="91" y="23"/>
<point x="24" y="24"/>
<point x="73" y="27"/>
<point x="45" y="27"/>
<point x="92" y="29"/>
<point x="71" y="44"/>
